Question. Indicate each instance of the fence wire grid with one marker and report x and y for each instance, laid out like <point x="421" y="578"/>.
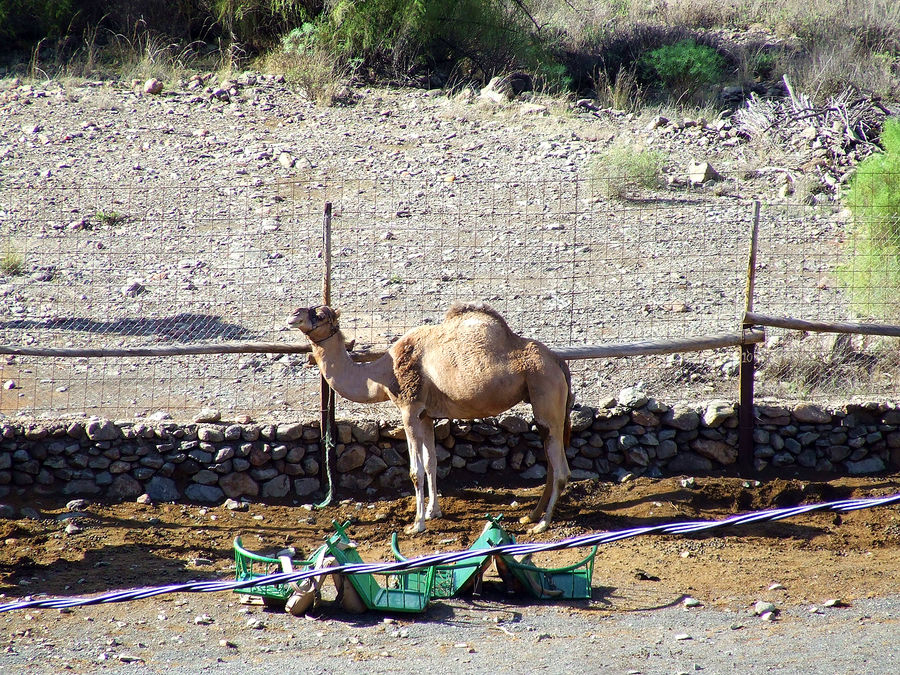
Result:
<point x="821" y="264"/>
<point x="110" y="266"/>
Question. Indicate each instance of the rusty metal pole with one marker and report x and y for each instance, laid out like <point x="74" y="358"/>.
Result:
<point x="746" y="418"/>
<point x="326" y="393"/>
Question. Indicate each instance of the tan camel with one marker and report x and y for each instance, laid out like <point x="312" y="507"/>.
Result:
<point x="470" y="366"/>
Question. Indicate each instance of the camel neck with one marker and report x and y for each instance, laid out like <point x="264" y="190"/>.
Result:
<point x="358" y="382"/>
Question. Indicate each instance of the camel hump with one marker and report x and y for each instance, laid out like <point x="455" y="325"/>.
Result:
<point x="459" y="309"/>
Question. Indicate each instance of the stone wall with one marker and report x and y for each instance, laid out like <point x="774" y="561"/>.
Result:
<point x="631" y="434"/>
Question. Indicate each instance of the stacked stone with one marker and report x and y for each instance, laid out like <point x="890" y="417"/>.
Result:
<point x="631" y="434"/>
<point x="855" y="439"/>
<point x="123" y="460"/>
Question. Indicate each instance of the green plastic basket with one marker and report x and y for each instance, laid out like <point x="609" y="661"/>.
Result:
<point x="406" y="591"/>
<point x="249" y="565"/>
<point x="455" y="578"/>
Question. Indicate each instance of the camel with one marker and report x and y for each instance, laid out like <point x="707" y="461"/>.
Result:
<point x="470" y="366"/>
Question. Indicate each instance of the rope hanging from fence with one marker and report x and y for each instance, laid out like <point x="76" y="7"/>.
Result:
<point x="683" y="528"/>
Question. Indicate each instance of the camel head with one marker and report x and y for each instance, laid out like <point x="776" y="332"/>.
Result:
<point x="318" y="323"/>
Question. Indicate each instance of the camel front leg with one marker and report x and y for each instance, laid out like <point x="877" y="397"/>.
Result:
<point x="429" y="460"/>
<point x="415" y="444"/>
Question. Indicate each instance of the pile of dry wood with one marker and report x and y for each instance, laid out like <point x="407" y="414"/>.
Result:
<point x="830" y="138"/>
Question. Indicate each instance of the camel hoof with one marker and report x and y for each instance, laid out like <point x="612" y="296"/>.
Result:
<point x="434" y="513"/>
<point x="540" y="527"/>
<point x="415" y="528"/>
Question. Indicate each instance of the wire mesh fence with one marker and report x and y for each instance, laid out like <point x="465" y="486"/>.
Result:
<point x="817" y="264"/>
<point x="110" y="266"/>
<point x="184" y="264"/>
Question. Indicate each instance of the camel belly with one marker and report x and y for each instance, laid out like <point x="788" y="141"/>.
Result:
<point x="459" y="395"/>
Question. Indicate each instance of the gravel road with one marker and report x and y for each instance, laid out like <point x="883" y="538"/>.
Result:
<point x="488" y="635"/>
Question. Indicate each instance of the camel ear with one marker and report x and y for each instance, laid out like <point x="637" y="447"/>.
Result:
<point x="337" y="314"/>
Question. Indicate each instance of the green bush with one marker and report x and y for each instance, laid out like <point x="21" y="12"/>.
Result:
<point x="12" y="262"/>
<point x="871" y="272"/>
<point x="470" y="37"/>
<point x="683" y="67"/>
<point x="624" y="170"/>
<point x="25" y="22"/>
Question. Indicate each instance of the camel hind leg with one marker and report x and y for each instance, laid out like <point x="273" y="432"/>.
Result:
<point x="550" y="403"/>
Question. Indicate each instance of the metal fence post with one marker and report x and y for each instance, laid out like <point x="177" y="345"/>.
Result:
<point x="746" y="421"/>
<point x="326" y="393"/>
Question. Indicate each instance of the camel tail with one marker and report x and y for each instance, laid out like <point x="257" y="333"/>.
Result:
<point x="570" y="400"/>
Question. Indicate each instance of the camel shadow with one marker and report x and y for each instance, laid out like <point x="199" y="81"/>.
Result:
<point x="180" y="327"/>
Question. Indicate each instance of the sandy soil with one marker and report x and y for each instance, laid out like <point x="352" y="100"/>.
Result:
<point x="815" y="557"/>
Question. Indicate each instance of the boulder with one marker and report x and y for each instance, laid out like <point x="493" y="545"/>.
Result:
<point x="503" y="89"/>
<point x="702" y="172"/>
<point x="153" y="86"/>
<point x="716" y="450"/>
<point x="688" y="462"/>
<point x="277" y="488"/>
<point x="102" y="430"/>
<point x="124" y="487"/>
<point x="237" y="485"/>
<point x="208" y="494"/>
<point x="808" y="413"/>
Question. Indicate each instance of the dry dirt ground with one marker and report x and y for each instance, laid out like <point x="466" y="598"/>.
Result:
<point x="849" y="557"/>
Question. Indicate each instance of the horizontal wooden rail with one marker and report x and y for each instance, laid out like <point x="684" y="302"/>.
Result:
<point x="640" y="348"/>
<point x="168" y="350"/>
<point x="822" y="326"/>
<point x="664" y="346"/>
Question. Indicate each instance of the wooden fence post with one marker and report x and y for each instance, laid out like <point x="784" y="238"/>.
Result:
<point x="746" y="421"/>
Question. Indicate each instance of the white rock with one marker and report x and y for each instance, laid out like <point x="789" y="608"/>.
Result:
<point x="762" y="607"/>
<point x="203" y="620"/>
<point x="153" y="86"/>
<point x="702" y="172"/>
<point x="286" y="160"/>
<point x="691" y="602"/>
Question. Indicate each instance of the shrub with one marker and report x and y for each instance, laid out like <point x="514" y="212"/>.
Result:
<point x="623" y="170"/>
<point x="28" y="21"/>
<point x="316" y="70"/>
<point x="12" y="263"/>
<point x="872" y="270"/>
<point x="400" y="36"/>
<point x="621" y="92"/>
<point x="683" y="67"/>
